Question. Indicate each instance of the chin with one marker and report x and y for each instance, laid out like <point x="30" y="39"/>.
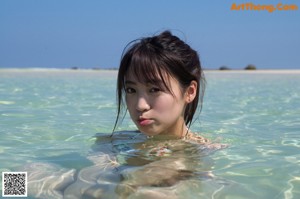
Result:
<point x="149" y="133"/>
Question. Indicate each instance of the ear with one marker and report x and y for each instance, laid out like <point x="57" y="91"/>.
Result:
<point x="191" y="92"/>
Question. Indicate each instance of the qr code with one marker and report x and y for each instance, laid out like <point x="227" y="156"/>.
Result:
<point x="14" y="184"/>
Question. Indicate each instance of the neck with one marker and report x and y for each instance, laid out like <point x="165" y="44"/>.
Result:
<point x="175" y="132"/>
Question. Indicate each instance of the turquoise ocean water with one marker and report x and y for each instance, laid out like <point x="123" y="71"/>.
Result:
<point x="50" y="117"/>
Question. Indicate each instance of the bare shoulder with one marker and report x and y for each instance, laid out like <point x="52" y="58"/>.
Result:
<point x="195" y="137"/>
<point x="198" y="139"/>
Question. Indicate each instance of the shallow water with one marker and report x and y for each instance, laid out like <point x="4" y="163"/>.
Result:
<point x="48" y="120"/>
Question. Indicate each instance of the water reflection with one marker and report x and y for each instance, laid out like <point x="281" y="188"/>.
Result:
<point x="126" y="165"/>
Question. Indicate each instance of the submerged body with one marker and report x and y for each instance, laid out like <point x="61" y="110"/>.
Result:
<point x="128" y="165"/>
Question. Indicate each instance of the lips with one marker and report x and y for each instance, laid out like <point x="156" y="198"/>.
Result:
<point x="145" y="121"/>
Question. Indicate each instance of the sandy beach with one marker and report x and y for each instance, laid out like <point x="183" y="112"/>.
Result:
<point x="114" y="72"/>
<point x="269" y="71"/>
<point x="58" y="72"/>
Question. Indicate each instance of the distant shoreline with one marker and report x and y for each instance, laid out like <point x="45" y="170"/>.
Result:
<point x="271" y="71"/>
<point x="257" y="71"/>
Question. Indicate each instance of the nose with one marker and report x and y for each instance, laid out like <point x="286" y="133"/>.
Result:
<point x="142" y="104"/>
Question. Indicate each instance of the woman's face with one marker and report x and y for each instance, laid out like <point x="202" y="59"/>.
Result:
<point x="153" y="110"/>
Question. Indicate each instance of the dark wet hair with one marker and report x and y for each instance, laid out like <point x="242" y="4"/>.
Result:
<point x="151" y="57"/>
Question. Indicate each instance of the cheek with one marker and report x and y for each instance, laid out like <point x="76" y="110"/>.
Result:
<point x="165" y="105"/>
<point x="129" y="103"/>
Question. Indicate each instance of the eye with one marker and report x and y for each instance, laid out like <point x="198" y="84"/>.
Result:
<point x="154" y="90"/>
<point x="129" y="90"/>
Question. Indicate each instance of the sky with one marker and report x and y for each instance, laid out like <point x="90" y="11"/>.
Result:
<point x="93" y="33"/>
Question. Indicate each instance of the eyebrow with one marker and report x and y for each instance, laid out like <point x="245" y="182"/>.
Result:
<point x="159" y="82"/>
<point x="130" y="82"/>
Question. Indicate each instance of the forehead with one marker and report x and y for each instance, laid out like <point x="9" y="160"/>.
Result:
<point x="165" y="82"/>
<point x="147" y="77"/>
